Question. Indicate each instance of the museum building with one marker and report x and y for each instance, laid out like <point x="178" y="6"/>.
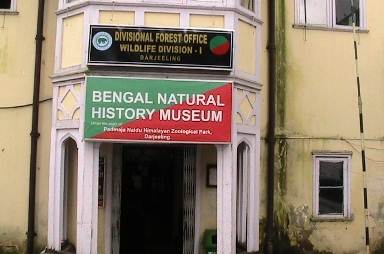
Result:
<point x="155" y="141"/>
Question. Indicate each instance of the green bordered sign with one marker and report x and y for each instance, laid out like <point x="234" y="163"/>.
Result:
<point x="157" y="110"/>
<point x="160" y="47"/>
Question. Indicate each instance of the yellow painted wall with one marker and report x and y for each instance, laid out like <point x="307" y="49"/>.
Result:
<point x="72" y="48"/>
<point x="117" y="17"/>
<point x="102" y="210"/>
<point x="157" y="19"/>
<point x="206" y="21"/>
<point x="246" y="48"/>
<point x="17" y="52"/>
<point x="321" y="109"/>
<point x="101" y="231"/>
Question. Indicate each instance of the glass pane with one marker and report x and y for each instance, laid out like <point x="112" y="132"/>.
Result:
<point x="331" y="173"/>
<point x="5" y="4"/>
<point x="247" y="4"/>
<point x="313" y="12"/>
<point x="344" y="12"/>
<point x="331" y="201"/>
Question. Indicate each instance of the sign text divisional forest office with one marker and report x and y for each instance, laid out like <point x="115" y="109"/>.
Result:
<point x="160" y="47"/>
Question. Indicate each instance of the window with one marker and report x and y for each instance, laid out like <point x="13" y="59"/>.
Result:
<point x="69" y="205"/>
<point x="242" y="196"/>
<point x="329" y="13"/>
<point x="7" y="5"/>
<point x="345" y="11"/>
<point x="248" y="4"/>
<point x="331" y="181"/>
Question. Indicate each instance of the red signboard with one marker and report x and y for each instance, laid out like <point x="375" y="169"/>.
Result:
<point x="153" y="110"/>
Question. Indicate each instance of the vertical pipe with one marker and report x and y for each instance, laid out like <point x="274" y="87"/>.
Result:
<point x="271" y="122"/>
<point x="361" y="123"/>
<point x="35" y="128"/>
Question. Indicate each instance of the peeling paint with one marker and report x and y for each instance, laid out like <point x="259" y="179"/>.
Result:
<point x="282" y="161"/>
<point x="294" y="229"/>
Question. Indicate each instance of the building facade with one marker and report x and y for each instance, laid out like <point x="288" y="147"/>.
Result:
<point x="85" y="189"/>
<point x="110" y="177"/>
<point x="17" y="58"/>
<point x="113" y="194"/>
<point x="320" y="188"/>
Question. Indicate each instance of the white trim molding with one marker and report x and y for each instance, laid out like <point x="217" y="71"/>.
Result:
<point x="56" y="228"/>
<point x="332" y="157"/>
<point x="323" y="14"/>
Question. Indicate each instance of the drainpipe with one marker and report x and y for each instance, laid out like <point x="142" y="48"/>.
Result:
<point x="271" y="123"/>
<point x="35" y="128"/>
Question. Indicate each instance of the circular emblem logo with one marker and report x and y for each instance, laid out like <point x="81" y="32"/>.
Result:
<point x="102" y="41"/>
<point x="219" y="45"/>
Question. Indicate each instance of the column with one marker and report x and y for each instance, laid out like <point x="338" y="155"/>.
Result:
<point x="87" y="198"/>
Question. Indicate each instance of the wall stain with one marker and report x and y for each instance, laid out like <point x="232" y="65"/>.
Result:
<point x="292" y="224"/>
<point x="379" y="248"/>
<point x="380" y="211"/>
<point x="19" y="247"/>
<point x="280" y="65"/>
<point x="3" y="49"/>
<point x="282" y="164"/>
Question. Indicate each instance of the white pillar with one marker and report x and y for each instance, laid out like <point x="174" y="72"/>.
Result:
<point x="54" y="203"/>
<point x="253" y="209"/>
<point x="226" y="216"/>
<point x="87" y="198"/>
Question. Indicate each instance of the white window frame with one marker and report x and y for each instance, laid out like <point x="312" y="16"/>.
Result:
<point x="255" y="5"/>
<point x="331" y="15"/>
<point x="332" y="157"/>
<point x="12" y="7"/>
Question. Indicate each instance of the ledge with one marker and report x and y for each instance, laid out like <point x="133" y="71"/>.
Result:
<point x="331" y="219"/>
<point x="323" y="28"/>
<point x="331" y="153"/>
<point x="5" y="12"/>
<point x="241" y="11"/>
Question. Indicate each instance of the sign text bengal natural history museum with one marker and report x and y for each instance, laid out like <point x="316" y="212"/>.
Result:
<point x="155" y="110"/>
<point x="160" y="47"/>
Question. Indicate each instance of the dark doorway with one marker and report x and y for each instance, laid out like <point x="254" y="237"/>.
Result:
<point x="152" y="200"/>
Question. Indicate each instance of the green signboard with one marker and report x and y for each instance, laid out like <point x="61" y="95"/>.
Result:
<point x="158" y="110"/>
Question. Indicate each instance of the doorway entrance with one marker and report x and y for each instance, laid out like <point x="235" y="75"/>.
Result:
<point x="152" y="199"/>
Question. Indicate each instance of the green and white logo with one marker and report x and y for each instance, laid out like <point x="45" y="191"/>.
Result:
<point x="102" y="41"/>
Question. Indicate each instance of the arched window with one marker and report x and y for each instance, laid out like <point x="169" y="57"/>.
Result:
<point x="242" y="195"/>
<point x="70" y="154"/>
